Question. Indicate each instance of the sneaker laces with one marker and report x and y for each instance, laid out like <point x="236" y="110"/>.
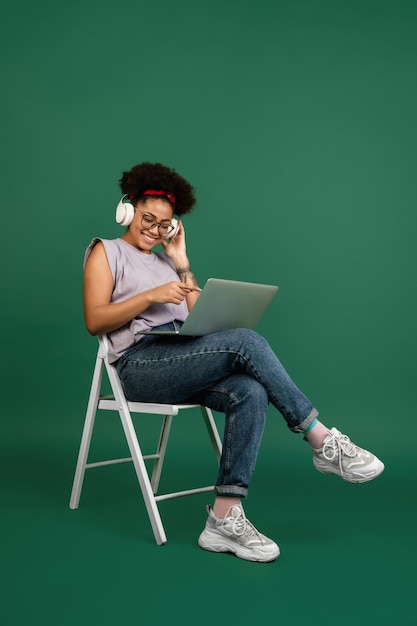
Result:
<point x="241" y="525"/>
<point x="337" y="444"/>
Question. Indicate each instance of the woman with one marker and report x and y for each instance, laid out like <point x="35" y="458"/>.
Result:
<point x="129" y="289"/>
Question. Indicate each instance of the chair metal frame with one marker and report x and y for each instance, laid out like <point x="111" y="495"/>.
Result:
<point x="117" y="402"/>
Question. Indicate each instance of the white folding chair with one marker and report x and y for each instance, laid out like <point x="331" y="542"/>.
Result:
<point x="117" y="402"/>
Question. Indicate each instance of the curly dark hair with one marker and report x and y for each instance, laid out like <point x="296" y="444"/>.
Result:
<point x="155" y="176"/>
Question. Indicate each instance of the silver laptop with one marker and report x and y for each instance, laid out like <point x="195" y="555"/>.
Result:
<point x="224" y="304"/>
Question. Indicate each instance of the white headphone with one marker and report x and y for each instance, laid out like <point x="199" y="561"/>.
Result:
<point x="125" y="212"/>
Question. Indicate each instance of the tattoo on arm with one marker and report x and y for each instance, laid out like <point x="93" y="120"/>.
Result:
<point x="186" y="275"/>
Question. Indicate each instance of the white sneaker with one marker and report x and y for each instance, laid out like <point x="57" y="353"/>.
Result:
<point x="342" y="457"/>
<point x="236" y="534"/>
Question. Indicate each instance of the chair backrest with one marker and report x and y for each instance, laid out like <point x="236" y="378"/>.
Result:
<point x="119" y="395"/>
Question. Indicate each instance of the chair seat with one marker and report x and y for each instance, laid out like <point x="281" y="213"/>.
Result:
<point x="109" y="403"/>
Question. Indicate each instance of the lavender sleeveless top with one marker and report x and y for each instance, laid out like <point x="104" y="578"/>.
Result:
<point x="133" y="272"/>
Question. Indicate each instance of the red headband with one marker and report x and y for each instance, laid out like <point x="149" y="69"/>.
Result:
<point x="152" y="192"/>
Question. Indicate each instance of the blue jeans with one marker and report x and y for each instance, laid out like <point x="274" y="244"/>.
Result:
<point x="234" y="372"/>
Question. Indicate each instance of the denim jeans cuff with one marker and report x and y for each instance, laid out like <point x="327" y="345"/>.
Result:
<point x="300" y="428"/>
<point x="231" y="491"/>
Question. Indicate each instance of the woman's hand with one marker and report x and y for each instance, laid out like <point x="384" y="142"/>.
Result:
<point x="173" y="293"/>
<point x="176" y="247"/>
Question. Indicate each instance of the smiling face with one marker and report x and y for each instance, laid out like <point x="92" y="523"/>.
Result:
<point x="138" y="234"/>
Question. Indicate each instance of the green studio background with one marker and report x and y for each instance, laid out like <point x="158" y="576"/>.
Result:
<point x="295" y="121"/>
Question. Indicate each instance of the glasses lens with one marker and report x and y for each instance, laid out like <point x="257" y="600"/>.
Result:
<point x="165" y="229"/>
<point x="148" y="221"/>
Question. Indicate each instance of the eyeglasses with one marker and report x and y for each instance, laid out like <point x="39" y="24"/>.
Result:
<point x="148" y="222"/>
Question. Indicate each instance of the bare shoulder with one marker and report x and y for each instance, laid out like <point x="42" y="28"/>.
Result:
<point x="98" y="284"/>
<point x="97" y="254"/>
<point x="97" y="270"/>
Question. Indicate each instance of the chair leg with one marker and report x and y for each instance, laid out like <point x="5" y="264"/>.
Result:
<point x="87" y="433"/>
<point x="163" y="442"/>
<point x="142" y="473"/>
<point x="137" y="457"/>
<point x="213" y="432"/>
<point x="162" y="446"/>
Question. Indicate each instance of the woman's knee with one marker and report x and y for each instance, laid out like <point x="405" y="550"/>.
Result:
<point x="247" y="391"/>
<point x="249" y="336"/>
<point x="236" y="391"/>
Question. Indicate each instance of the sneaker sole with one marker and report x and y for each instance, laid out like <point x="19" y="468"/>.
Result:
<point x="324" y="469"/>
<point x="215" y="543"/>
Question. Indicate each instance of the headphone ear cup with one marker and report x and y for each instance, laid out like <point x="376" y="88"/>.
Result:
<point x="176" y="226"/>
<point x="124" y="212"/>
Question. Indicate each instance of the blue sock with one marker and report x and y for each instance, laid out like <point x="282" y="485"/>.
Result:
<point x="311" y="426"/>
